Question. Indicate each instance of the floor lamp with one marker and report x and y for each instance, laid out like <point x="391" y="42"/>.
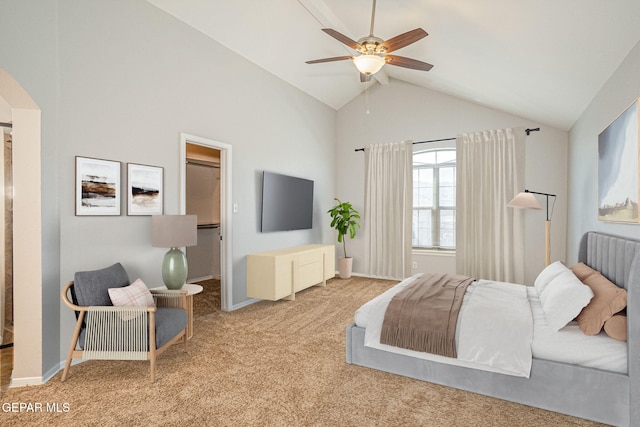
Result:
<point x="527" y="200"/>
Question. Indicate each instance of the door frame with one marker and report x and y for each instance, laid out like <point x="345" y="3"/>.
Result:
<point x="226" y="265"/>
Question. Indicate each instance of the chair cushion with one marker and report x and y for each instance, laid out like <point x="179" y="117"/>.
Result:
<point x="169" y="323"/>
<point x="91" y="288"/>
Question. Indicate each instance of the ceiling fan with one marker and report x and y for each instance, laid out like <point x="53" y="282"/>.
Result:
<point x="373" y="52"/>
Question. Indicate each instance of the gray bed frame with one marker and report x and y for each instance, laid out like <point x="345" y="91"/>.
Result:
<point x="589" y="393"/>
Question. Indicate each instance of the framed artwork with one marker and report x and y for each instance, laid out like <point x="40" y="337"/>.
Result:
<point x="618" y="189"/>
<point x="97" y="186"/>
<point x="145" y="189"/>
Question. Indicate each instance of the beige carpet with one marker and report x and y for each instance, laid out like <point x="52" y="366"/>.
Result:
<point x="271" y="363"/>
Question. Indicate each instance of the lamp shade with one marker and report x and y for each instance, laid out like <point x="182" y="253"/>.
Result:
<point x="524" y="200"/>
<point x="174" y="231"/>
<point x="368" y="64"/>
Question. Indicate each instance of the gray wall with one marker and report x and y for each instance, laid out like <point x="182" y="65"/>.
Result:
<point x="119" y="80"/>
<point x="622" y="88"/>
<point x="401" y="111"/>
<point x="28" y="51"/>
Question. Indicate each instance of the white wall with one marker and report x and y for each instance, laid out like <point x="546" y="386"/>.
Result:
<point x="622" y="88"/>
<point x="119" y="80"/>
<point x="401" y="111"/>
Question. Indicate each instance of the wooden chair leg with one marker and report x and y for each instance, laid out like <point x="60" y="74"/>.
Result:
<point x="153" y="368"/>
<point x="72" y="346"/>
<point x="152" y="344"/>
<point x="66" y="368"/>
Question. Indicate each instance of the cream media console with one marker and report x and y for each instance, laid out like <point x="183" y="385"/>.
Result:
<point x="278" y="274"/>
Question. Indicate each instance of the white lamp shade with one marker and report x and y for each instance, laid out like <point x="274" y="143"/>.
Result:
<point x="174" y="231"/>
<point x="524" y="200"/>
<point x="368" y="64"/>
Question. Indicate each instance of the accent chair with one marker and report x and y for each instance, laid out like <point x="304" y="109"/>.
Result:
<point x="127" y="332"/>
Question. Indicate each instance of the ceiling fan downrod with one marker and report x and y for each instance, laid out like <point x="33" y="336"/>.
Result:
<point x="370" y="43"/>
<point x="373" y="17"/>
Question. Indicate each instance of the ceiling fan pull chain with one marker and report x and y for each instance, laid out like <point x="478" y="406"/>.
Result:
<point x="366" y="97"/>
<point x="373" y="17"/>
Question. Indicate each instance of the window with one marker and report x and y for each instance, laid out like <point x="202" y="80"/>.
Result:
<point x="434" y="199"/>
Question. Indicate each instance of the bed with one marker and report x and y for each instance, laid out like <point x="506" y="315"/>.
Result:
<point x="602" y="395"/>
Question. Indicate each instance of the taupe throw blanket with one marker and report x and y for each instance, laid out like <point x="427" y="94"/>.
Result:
<point x="423" y="316"/>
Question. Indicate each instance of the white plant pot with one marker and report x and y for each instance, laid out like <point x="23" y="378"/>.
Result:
<point x="344" y="267"/>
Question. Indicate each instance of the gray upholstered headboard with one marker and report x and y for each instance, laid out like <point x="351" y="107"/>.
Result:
<point x="611" y="255"/>
<point x="618" y="259"/>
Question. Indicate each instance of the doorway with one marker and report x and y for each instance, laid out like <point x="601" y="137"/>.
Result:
<point x="29" y="312"/>
<point x="6" y="261"/>
<point x="203" y="200"/>
<point x="209" y="163"/>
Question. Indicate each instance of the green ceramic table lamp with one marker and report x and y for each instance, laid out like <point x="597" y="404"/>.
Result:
<point x="174" y="232"/>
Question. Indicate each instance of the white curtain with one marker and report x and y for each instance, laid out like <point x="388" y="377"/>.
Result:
<point x="489" y="235"/>
<point x="388" y="209"/>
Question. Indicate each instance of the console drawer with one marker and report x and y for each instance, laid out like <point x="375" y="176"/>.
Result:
<point x="309" y="275"/>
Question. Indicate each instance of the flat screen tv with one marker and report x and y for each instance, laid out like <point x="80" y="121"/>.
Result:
<point x="287" y="202"/>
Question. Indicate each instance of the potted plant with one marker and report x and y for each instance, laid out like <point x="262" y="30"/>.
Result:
<point x="344" y="220"/>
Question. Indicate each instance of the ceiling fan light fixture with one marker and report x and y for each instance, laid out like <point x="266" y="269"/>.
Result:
<point x="368" y="64"/>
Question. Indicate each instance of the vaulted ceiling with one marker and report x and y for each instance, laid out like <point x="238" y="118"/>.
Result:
<point x="540" y="59"/>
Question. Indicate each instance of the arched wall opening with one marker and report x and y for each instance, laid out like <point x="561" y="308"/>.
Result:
<point x="27" y="232"/>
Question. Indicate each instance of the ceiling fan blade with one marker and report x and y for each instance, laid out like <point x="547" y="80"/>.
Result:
<point x="365" y="77"/>
<point x="401" y="61"/>
<point x="403" y="40"/>
<point x="343" y="39"/>
<point x="335" y="58"/>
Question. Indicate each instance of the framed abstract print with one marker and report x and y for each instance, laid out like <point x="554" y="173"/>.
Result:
<point x="145" y="189"/>
<point x="618" y="189"/>
<point x="97" y="187"/>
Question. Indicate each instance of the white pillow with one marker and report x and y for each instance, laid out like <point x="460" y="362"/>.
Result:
<point x="548" y="274"/>
<point x="563" y="299"/>
<point x="135" y="295"/>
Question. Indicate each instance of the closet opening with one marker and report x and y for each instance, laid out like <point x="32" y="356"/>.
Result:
<point x="206" y="192"/>
<point x="203" y="200"/>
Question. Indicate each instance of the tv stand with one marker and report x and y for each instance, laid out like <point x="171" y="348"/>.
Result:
<point x="279" y="274"/>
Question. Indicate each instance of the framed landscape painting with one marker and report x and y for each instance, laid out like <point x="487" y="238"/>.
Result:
<point x="618" y="189"/>
<point x="145" y="192"/>
<point x="97" y="186"/>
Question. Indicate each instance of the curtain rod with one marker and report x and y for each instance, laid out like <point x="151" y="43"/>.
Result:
<point x="527" y="131"/>
<point x="6" y="125"/>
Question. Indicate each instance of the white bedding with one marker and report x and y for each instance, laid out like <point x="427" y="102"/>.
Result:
<point x="569" y="345"/>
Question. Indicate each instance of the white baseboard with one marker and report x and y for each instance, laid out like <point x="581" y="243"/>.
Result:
<point x="370" y="276"/>
<point x="353" y="274"/>
<point x="245" y="303"/>
<point x="200" y="279"/>
<point x="29" y="381"/>
<point x="26" y="381"/>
